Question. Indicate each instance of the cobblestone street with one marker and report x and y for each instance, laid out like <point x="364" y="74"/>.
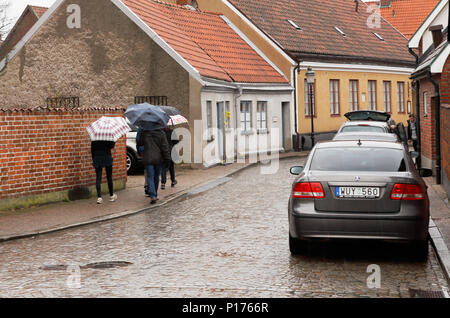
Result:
<point x="231" y="241"/>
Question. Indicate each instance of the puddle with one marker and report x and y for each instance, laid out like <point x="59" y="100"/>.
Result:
<point x="98" y="265"/>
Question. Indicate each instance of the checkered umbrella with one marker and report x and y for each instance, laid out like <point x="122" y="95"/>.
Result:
<point x="108" y="129"/>
<point x="177" y="120"/>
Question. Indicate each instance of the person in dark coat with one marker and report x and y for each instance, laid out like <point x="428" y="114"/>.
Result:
<point x="412" y="130"/>
<point x="140" y="151"/>
<point x="102" y="158"/>
<point x="156" y="152"/>
<point x="169" y="165"/>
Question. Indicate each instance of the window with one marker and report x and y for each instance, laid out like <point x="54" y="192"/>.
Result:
<point x="359" y="159"/>
<point x="340" y="31"/>
<point x="354" y="102"/>
<point x="209" y="118"/>
<point x="334" y="97"/>
<point x="425" y="103"/>
<point x="387" y="96"/>
<point x="261" y="116"/>
<point x="307" y="105"/>
<point x="246" y="116"/>
<point x="378" y="36"/>
<point x="372" y="95"/>
<point x="401" y="97"/>
<point x="227" y="115"/>
<point x="294" y="25"/>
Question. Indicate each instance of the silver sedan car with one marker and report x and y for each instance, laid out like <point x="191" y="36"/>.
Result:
<point x="359" y="190"/>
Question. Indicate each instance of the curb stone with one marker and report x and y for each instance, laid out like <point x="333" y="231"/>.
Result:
<point x="440" y="248"/>
<point x="175" y="197"/>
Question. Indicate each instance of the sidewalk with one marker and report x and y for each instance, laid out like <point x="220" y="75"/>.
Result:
<point x="440" y="222"/>
<point x="60" y="216"/>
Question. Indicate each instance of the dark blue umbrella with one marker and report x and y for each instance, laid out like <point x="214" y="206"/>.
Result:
<point x="147" y="117"/>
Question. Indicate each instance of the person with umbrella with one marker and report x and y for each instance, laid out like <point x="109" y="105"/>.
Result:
<point x="104" y="134"/>
<point x="151" y="119"/>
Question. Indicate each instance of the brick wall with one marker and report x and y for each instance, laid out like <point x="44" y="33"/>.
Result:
<point x="427" y="122"/>
<point x="44" y="151"/>
<point x="445" y="120"/>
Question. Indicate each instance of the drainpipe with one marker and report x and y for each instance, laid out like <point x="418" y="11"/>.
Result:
<point x="296" y="69"/>
<point x="236" y="109"/>
<point x="411" y="51"/>
<point x="437" y="107"/>
<point x="419" y="136"/>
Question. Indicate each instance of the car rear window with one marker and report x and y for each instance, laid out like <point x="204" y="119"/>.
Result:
<point x="358" y="159"/>
<point x="356" y="128"/>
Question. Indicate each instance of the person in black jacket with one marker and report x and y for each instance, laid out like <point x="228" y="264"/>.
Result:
<point x="412" y="131"/>
<point x="169" y="165"/>
<point x="102" y="158"/>
<point x="156" y="152"/>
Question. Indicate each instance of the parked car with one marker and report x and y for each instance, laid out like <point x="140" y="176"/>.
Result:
<point x="372" y="121"/>
<point x="134" y="161"/>
<point x="359" y="190"/>
<point x="373" y="136"/>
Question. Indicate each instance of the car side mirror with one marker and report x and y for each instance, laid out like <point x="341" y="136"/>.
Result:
<point x="414" y="154"/>
<point x="425" y="172"/>
<point x="296" y="170"/>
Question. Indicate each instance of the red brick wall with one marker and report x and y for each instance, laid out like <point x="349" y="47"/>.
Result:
<point x="427" y="122"/>
<point x="44" y="151"/>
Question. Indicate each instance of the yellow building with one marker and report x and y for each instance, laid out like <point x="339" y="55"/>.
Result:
<point x="360" y="61"/>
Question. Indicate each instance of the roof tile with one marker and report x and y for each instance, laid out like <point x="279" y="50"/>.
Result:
<point x="318" y="36"/>
<point x="206" y="42"/>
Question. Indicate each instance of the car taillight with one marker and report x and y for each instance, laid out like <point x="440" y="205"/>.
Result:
<point x="407" y="192"/>
<point x="308" y="190"/>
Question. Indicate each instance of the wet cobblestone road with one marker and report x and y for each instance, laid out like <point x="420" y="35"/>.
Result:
<point x="231" y="241"/>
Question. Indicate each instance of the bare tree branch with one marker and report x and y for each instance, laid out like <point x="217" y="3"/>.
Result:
<point x="5" y="21"/>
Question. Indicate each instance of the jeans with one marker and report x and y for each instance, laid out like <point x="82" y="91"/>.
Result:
<point x="98" y="181"/>
<point x="153" y="172"/>
<point x="171" y="168"/>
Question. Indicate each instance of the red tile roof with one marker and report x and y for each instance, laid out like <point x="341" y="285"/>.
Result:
<point x="318" y="36"/>
<point x="206" y="42"/>
<point x="407" y="15"/>
<point x="39" y="10"/>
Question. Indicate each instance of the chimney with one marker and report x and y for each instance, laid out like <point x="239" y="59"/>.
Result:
<point x="385" y="3"/>
<point x="436" y="30"/>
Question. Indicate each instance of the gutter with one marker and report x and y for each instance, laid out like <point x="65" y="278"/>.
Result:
<point x="437" y="107"/>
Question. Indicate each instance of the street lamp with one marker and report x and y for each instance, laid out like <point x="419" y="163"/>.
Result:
<point x="310" y="77"/>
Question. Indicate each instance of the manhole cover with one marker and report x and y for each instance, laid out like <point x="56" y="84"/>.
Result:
<point x="418" y="293"/>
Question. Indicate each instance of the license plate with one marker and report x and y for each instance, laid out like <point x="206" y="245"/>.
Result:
<point x="357" y="192"/>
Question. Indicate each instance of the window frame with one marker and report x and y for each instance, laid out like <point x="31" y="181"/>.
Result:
<point x="372" y="95"/>
<point x="245" y="129"/>
<point x="258" y="116"/>
<point x="306" y="99"/>
<point x="425" y="104"/>
<point x="352" y="94"/>
<point x="334" y="97"/>
<point x="401" y="97"/>
<point x="387" y="96"/>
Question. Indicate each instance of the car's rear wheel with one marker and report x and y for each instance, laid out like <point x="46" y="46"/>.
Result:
<point x="131" y="162"/>
<point x="297" y="246"/>
<point x="419" y="250"/>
